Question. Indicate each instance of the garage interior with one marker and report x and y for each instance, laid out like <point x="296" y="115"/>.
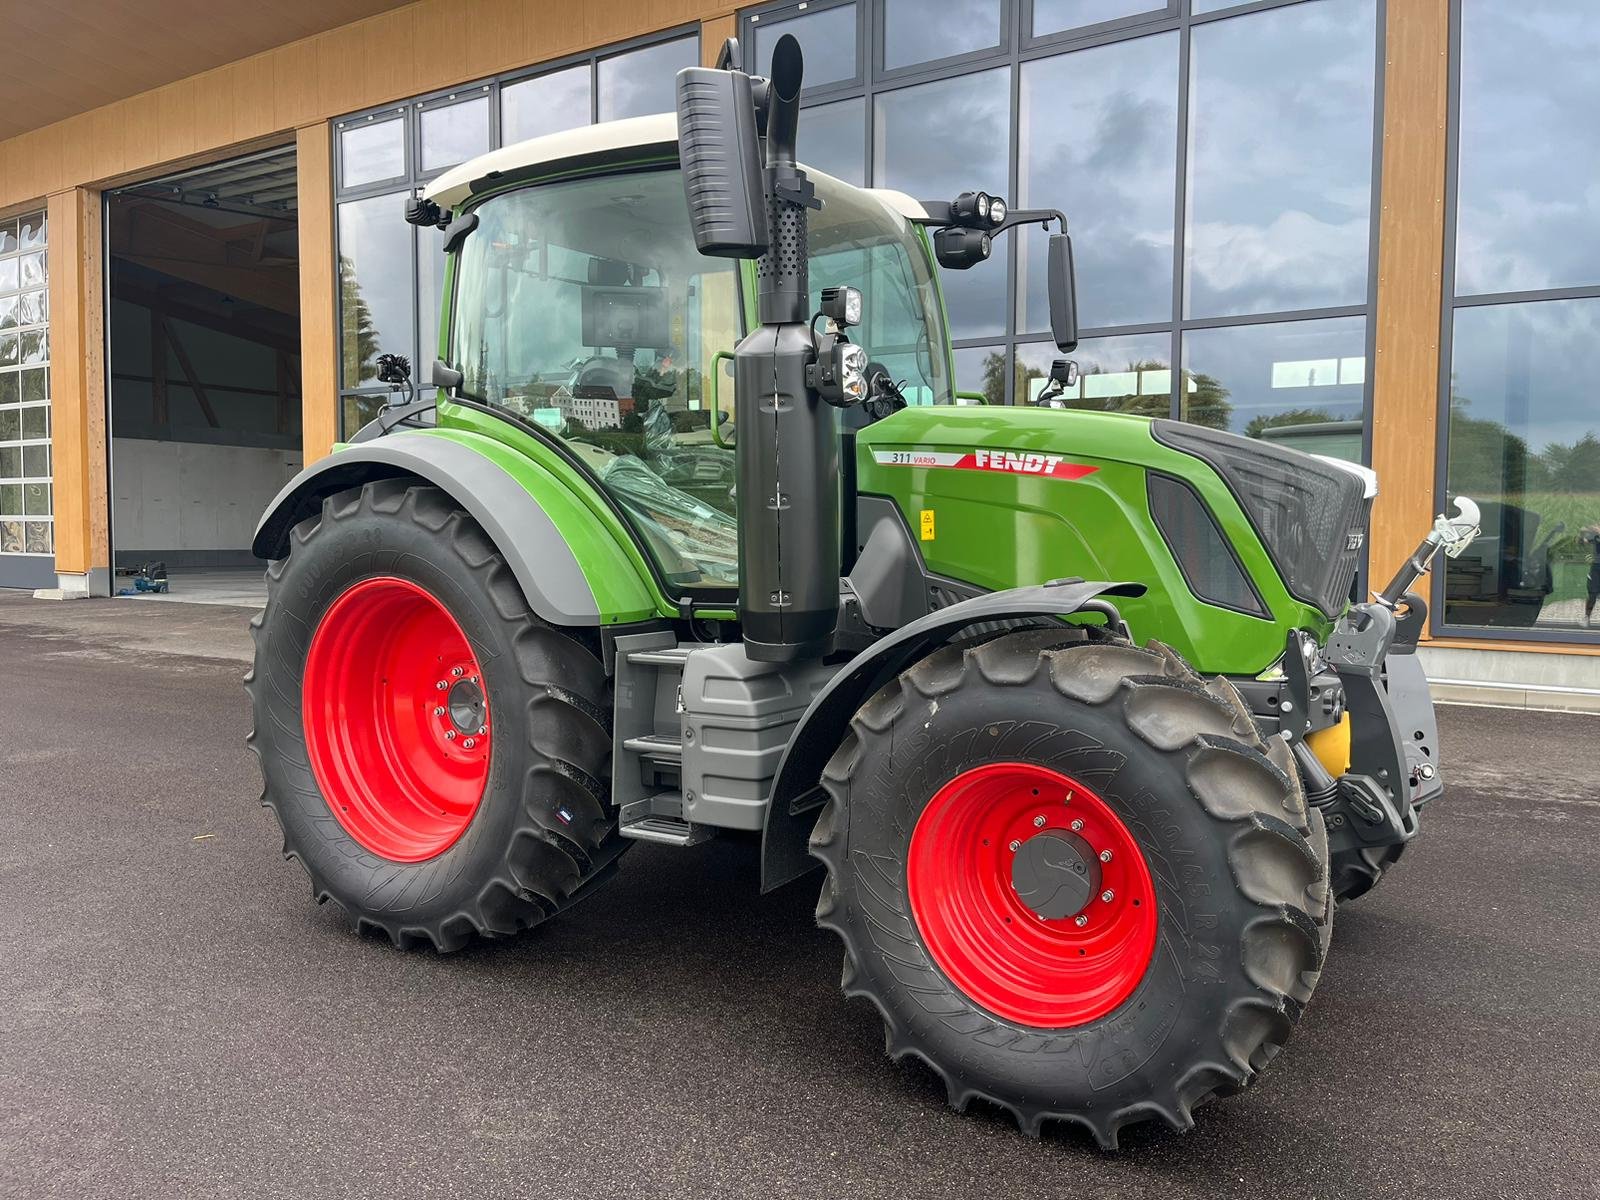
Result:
<point x="203" y="320"/>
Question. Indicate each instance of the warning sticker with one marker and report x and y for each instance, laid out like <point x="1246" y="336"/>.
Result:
<point x="1014" y="462"/>
<point x="927" y="524"/>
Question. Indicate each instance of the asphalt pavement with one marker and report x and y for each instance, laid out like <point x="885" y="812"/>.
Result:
<point x="178" y="1018"/>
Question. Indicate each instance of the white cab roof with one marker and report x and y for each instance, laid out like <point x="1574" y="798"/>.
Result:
<point x="596" y="141"/>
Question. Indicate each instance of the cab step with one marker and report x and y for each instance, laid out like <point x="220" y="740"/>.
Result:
<point x="660" y="819"/>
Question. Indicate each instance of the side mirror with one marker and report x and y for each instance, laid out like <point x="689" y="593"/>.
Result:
<point x="445" y="376"/>
<point x="721" y="156"/>
<point x="1063" y="294"/>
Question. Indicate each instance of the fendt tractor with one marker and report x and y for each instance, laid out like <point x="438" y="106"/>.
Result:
<point x="692" y="538"/>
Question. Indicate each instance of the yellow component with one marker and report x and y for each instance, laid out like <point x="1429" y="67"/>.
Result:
<point x="1332" y="746"/>
<point x="927" y="524"/>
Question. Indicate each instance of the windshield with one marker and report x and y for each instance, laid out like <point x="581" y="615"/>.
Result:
<point x="584" y="308"/>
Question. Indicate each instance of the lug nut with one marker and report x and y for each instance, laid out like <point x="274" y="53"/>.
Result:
<point x="458" y="672"/>
<point x="1015" y="846"/>
<point x="1080" y="920"/>
<point x="441" y="685"/>
<point x="474" y="679"/>
<point x="1107" y="895"/>
<point x="1105" y="856"/>
<point x="469" y="743"/>
<point x="1038" y="822"/>
<point x="449" y="735"/>
<point x="482" y="729"/>
<point x="438" y="710"/>
<point x="1077" y="825"/>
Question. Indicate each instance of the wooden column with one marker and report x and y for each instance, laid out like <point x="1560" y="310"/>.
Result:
<point x="319" y="330"/>
<point x="1410" y="264"/>
<point x="713" y="32"/>
<point x="77" y="382"/>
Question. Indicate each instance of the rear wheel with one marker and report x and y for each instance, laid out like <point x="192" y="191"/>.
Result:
<point x="436" y="756"/>
<point x="1072" y="879"/>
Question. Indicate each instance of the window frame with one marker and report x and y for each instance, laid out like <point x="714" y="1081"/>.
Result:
<point x="1450" y="304"/>
<point x="425" y="330"/>
<point x="1018" y="46"/>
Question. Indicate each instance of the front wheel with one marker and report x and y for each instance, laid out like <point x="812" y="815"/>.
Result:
<point x="1073" y="880"/>
<point x="437" y="757"/>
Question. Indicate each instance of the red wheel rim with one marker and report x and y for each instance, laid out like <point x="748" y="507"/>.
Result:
<point x="1040" y="971"/>
<point x="396" y="719"/>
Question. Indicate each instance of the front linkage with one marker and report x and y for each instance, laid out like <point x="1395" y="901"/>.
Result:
<point x="1359" y="718"/>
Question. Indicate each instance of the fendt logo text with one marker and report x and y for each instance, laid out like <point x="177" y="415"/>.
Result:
<point x="1016" y="462"/>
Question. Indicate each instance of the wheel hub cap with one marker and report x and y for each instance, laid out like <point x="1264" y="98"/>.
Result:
<point x="1031" y="894"/>
<point x="1056" y="874"/>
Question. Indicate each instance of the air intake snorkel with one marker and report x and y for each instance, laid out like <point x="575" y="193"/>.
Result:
<point x="746" y="205"/>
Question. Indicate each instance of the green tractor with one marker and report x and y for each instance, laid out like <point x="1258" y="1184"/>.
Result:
<point x="694" y="539"/>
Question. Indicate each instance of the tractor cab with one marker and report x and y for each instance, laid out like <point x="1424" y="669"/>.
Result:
<point x="581" y="305"/>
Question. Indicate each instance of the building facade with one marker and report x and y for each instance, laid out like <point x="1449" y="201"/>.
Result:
<point x="1368" y="228"/>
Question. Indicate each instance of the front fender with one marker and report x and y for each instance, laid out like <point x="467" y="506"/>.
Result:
<point x="531" y="515"/>
<point x="796" y="789"/>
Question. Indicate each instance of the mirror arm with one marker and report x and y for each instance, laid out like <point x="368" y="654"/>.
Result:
<point x="940" y="217"/>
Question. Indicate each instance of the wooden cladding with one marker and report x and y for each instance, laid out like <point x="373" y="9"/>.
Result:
<point x="1405" y="387"/>
<point x="388" y="57"/>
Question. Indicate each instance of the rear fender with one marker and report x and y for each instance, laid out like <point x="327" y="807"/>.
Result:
<point x="797" y="794"/>
<point x="530" y="514"/>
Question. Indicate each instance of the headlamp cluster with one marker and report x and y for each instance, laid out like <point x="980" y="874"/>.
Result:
<point x="978" y="210"/>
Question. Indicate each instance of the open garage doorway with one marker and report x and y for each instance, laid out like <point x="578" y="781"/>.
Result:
<point x="203" y="321"/>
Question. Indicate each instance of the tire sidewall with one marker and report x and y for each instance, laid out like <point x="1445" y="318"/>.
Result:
<point x="934" y="743"/>
<point x="341" y="553"/>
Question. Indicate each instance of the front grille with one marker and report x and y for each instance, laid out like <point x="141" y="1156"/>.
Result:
<point x="1310" y="515"/>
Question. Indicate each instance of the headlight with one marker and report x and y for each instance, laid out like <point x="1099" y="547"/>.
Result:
<point x="997" y="210"/>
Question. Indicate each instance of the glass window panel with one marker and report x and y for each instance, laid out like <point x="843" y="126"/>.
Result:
<point x="33" y="308"/>
<point x="10" y="393"/>
<point x="1297" y="383"/>
<point x="10" y="421"/>
<point x="10" y="349"/>
<point x="827" y="40"/>
<point x="35" y="385"/>
<point x="10" y="499"/>
<point x="1129" y="374"/>
<point x="375" y="288"/>
<point x="833" y="138"/>
<point x="36" y="537"/>
<point x="34" y="347"/>
<point x="962" y="26"/>
<point x="8" y="237"/>
<point x="9" y="274"/>
<point x="32" y="269"/>
<point x="1528" y="201"/>
<point x="1524" y="442"/>
<point x="1100" y="142"/>
<point x="10" y="537"/>
<point x="545" y="104"/>
<point x="35" y="422"/>
<point x="36" y="462"/>
<point x="936" y="140"/>
<point x="453" y="133"/>
<point x="1280" y="159"/>
<point x="31" y="231"/>
<point x="370" y="152"/>
<point x="358" y="410"/>
<point x="643" y="81"/>
<point x="10" y="462"/>
<point x="36" y="499"/>
<point x="1052" y="16"/>
<point x="8" y="311"/>
<point x="981" y="370"/>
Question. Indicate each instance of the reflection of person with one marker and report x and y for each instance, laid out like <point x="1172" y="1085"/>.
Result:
<point x="1590" y="537"/>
